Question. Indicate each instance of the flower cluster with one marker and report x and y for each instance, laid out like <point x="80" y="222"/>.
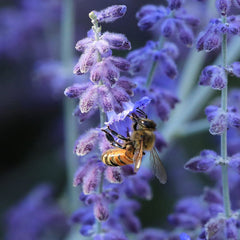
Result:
<point x="48" y="220"/>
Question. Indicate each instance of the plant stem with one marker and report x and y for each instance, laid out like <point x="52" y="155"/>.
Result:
<point x="70" y="126"/>
<point x="154" y="64"/>
<point x="224" y="95"/>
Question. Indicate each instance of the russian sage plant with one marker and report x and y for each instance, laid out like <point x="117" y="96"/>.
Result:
<point x="149" y="76"/>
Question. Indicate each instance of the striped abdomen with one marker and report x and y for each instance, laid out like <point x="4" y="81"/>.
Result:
<point x="117" y="157"/>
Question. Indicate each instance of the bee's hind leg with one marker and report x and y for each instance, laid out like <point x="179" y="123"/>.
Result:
<point x="112" y="140"/>
<point x="118" y="135"/>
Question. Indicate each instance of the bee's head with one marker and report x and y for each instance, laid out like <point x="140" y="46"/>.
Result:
<point x="146" y="123"/>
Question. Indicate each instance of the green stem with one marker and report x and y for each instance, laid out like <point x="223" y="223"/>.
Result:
<point x="100" y="189"/>
<point x="224" y="96"/>
<point x="70" y="126"/>
<point x="154" y="64"/>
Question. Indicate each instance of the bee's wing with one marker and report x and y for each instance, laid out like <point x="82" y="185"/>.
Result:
<point x="137" y="158"/>
<point x="157" y="166"/>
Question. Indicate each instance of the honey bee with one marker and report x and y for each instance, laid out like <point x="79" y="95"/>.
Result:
<point x="132" y="150"/>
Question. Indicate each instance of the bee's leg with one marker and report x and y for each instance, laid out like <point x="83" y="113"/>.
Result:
<point x="134" y="126"/>
<point x="112" y="140"/>
<point x="142" y="112"/>
<point x="118" y="135"/>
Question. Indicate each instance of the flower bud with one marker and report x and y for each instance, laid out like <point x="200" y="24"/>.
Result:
<point x="146" y="10"/>
<point x="81" y="45"/>
<point x="86" y="142"/>
<point x="223" y="6"/>
<point x="236" y="69"/>
<point x="168" y="27"/>
<point x="111" y="13"/>
<point x="202" y="163"/>
<point x="174" y="4"/>
<point x="117" y="41"/>
<point x="113" y="174"/>
<point x="89" y="99"/>
<point x="105" y="98"/>
<point x="76" y="90"/>
<point x="121" y="63"/>
<point x="101" y="211"/>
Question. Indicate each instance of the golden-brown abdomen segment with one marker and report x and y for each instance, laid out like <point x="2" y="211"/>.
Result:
<point x="117" y="157"/>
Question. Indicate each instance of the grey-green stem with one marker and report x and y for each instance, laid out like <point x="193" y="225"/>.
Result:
<point x="224" y="96"/>
<point x="70" y="125"/>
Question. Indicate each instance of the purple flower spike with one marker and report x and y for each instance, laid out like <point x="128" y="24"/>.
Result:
<point x="223" y="6"/>
<point x="76" y="90"/>
<point x="113" y="174"/>
<point x="101" y="211"/>
<point x="86" y="142"/>
<point x="234" y="162"/>
<point x="213" y="76"/>
<point x="89" y="99"/>
<point x="111" y="14"/>
<point x="117" y="41"/>
<point x="175" y="4"/>
<point x="235" y="69"/>
<point x="202" y="163"/>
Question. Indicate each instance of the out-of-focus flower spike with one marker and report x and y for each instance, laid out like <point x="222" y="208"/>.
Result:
<point x="111" y="13"/>
<point x="81" y="45"/>
<point x="149" y="21"/>
<point x="76" y="90"/>
<point x="171" y="49"/>
<point x="212" y="196"/>
<point x="160" y="142"/>
<point x="113" y="174"/>
<point x="174" y="4"/>
<point x="101" y="211"/>
<point x="89" y="99"/>
<point x="184" y="220"/>
<point x="202" y="163"/>
<point x="223" y="6"/>
<point x="117" y="41"/>
<point x="86" y="142"/>
<point x="185" y="34"/>
<point x="88" y="59"/>
<point x="146" y="10"/>
<point x="168" y="27"/>
<point x="87" y="230"/>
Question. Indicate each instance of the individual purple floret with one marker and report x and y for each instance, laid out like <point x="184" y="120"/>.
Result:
<point x="111" y="14"/>
<point x="204" y="162"/>
<point x="48" y="220"/>
<point x="213" y="76"/>
<point x="235" y="69"/>
<point x="223" y="6"/>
